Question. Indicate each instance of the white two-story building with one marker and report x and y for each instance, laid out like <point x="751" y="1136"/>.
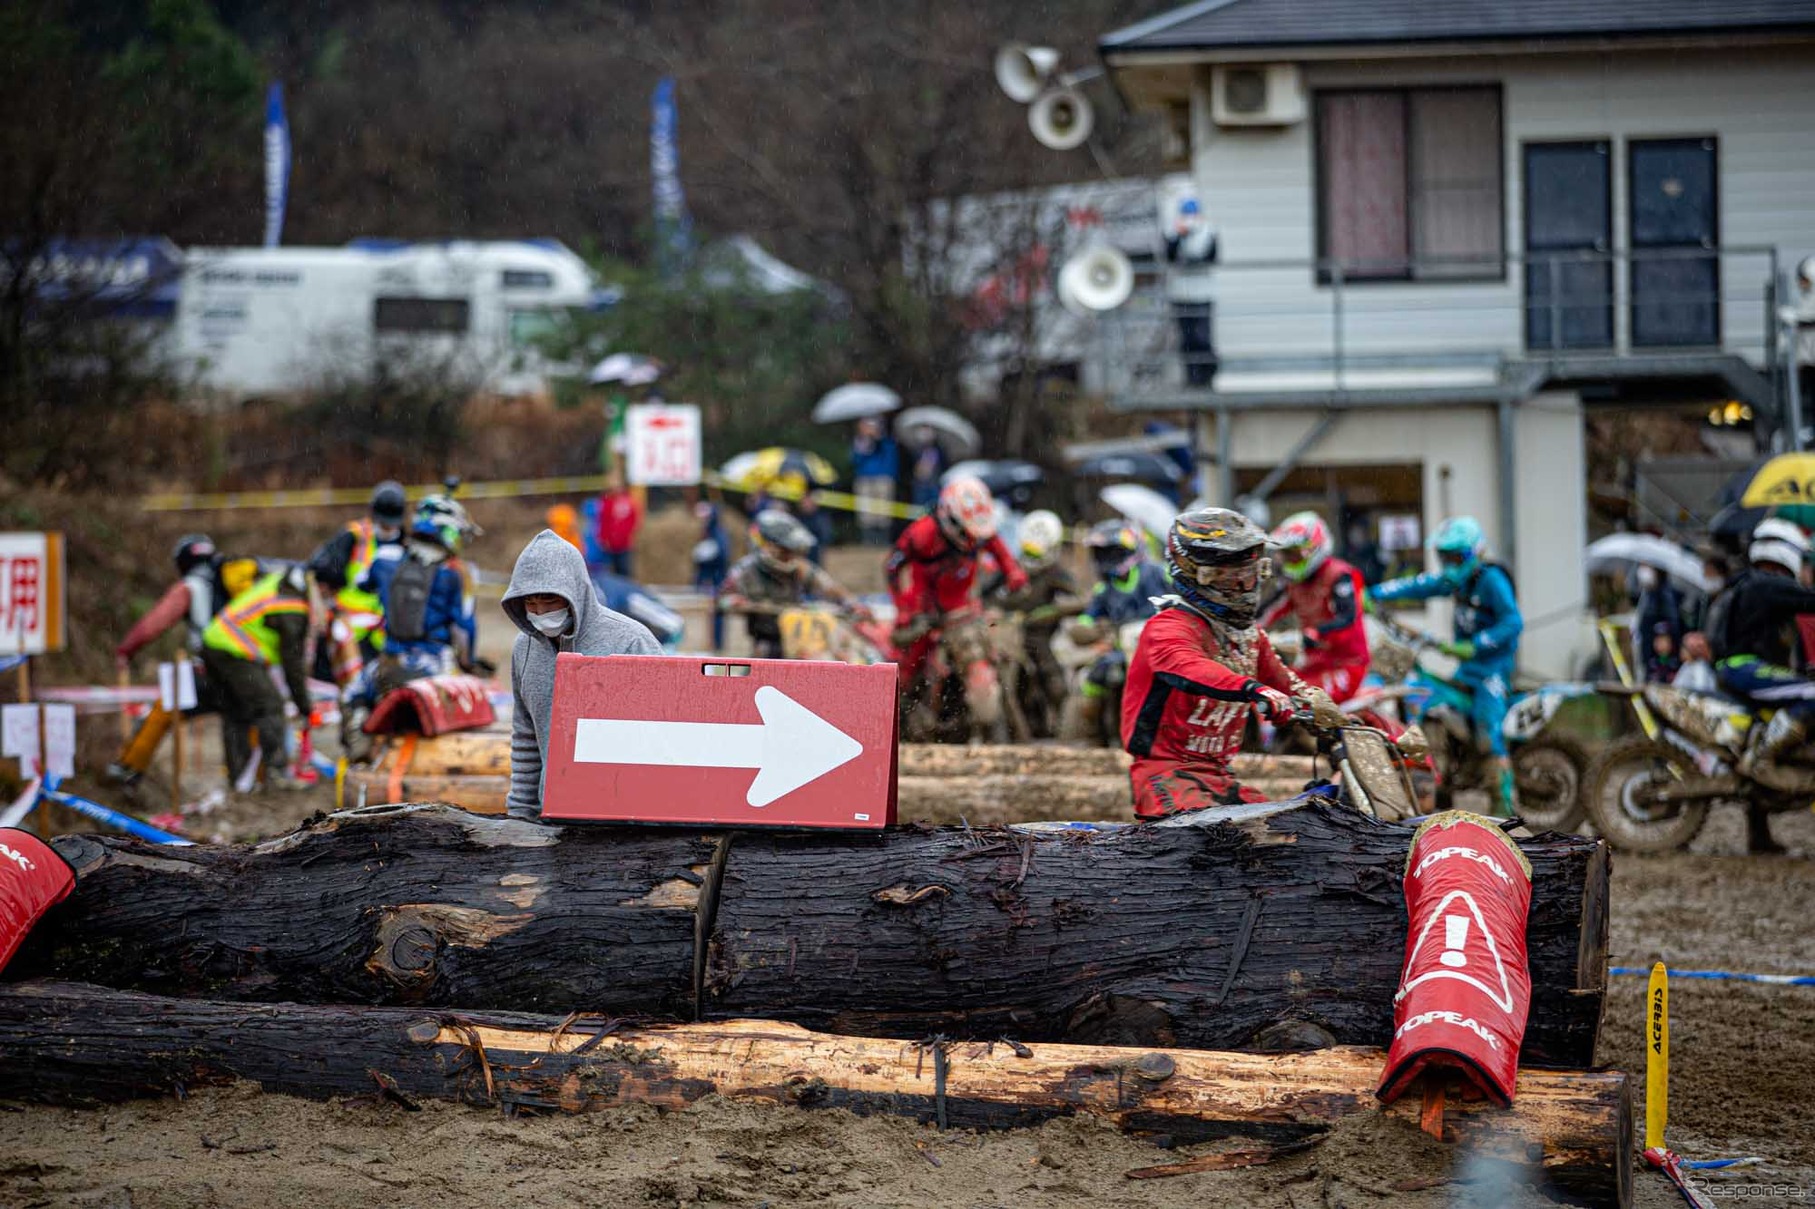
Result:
<point x="1448" y="227"/>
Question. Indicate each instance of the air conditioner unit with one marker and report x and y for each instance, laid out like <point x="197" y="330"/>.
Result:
<point x="1257" y="94"/>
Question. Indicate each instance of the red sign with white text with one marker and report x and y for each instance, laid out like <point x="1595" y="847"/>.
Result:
<point x="1465" y="988"/>
<point x="744" y="743"/>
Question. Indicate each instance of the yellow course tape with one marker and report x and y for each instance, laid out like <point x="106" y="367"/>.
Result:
<point x="1657" y="1056"/>
<point x="581" y="484"/>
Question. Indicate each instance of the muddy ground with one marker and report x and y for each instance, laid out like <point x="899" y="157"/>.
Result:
<point x="1743" y="1057"/>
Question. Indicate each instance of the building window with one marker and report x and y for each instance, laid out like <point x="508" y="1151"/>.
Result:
<point x="418" y="316"/>
<point x="1409" y="184"/>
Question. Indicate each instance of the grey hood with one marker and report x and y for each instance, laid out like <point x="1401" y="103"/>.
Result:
<point x="551" y="564"/>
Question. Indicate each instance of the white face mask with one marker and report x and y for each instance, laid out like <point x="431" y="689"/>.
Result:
<point x="550" y="623"/>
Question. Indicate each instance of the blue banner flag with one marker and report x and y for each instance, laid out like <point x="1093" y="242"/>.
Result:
<point x="277" y="165"/>
<point x="674" y="234"/>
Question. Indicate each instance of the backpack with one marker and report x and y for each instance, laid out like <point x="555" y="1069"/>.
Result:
<point x="1719" y="617"/>
<point x="407" y="606"/>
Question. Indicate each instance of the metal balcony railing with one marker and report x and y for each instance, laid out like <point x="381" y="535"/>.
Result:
<point x="1309" y="325"/>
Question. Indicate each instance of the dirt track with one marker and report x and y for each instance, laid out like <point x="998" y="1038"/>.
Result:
<point x="1742" y="1060"/>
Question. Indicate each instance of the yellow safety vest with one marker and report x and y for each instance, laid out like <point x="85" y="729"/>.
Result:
<point x="240" y="629"/>
<point x="363" y="611"/>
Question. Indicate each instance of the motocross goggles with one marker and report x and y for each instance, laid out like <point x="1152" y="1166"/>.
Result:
<point x="1232" y="577"/>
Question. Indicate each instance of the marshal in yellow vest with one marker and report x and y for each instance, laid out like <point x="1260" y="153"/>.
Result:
<point x="241" y="629"/>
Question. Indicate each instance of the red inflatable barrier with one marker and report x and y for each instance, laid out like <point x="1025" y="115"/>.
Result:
<point x="33" y="879"/>
<point x="1465" y="989"/>
<point x="434" y="705"/>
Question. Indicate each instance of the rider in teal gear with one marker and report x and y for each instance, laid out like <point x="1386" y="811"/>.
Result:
<point x="1487" y="628"/>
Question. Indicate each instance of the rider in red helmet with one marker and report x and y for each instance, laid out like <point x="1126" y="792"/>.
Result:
<point x="1323" y="594"/>
<point x="939" y="554"/>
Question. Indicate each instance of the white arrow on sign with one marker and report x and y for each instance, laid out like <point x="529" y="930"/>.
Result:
<point x="792" y="746"/>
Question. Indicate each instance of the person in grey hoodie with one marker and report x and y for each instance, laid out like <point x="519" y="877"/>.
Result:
<point x="551" y="599"/>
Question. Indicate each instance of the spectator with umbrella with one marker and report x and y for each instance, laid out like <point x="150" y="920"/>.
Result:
<point x="875" y="466"/>
<point x="936" y="437"/>
<point x="875" y="458"/>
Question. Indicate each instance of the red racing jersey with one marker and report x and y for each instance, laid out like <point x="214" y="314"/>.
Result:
<point x="939" y="577"/>
<point x="1187" y="699"/>
<point x="1327" y="607"/>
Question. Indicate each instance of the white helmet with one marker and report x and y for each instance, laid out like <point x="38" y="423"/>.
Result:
<point x="1041" y="534"/>
<point x="1780" y="542"/>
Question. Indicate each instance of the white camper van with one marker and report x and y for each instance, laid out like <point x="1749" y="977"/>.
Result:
<point x="274" y="320"/>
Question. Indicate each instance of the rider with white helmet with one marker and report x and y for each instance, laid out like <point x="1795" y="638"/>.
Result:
<point x="1748" y="627"/>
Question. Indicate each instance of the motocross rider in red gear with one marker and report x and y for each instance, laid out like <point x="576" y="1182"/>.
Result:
<point x="939" y="554"/>
<point x="1323" y="594"/>
<point x="1201" y="665"/>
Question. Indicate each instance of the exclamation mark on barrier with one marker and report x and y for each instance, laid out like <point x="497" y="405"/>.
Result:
<point x="1455" y="935"/>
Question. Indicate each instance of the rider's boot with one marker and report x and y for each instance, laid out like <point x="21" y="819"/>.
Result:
<point x="1762" y="762"/>
<point x="1503" y="788"/>
<point x="1758" y="832"/>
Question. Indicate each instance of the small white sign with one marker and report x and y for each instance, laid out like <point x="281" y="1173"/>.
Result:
<point x="167" y="686"/>
<point x="1400" y="533"/>
<point x="664" y="444"/>
<point x="185" y="684"/>
<point x="19" y="737"/>
<point x="60" y="740"/>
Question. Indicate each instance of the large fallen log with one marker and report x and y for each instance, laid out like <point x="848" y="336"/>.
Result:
<point x="1213" y="934"/>
<point x="70" y="1043"/>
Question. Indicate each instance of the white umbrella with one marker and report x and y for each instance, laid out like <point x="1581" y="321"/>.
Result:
<point x="1142" y="505"/>
<point x="1618" y="551"/>
<point x="855" y="401"/>
<point x="948" y="427"/>
<point x="632" y="369"/>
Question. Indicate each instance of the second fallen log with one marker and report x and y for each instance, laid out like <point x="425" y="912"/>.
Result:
<point x="68" y="1043"/>
<point x="1209" y="934"/>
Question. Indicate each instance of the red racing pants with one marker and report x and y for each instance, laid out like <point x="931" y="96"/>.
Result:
<point x="1163" y="788"/>
<point x="1340" y="679"/>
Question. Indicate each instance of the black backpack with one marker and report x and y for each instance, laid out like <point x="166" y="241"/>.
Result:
<point x="407" y="606"/>
<point x="1719" y="619"/>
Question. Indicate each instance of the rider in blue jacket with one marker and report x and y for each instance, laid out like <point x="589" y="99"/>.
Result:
<point x="1487" y="630"/>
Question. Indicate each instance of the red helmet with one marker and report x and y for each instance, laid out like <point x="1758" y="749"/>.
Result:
<point x="1303" y="542"/>
<point x="966" y="512"/>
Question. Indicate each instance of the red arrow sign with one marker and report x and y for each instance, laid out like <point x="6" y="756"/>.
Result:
<point x="746" y="743"/>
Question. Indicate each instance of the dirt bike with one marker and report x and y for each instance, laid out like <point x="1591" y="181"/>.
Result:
<point x="960" y="696"/>
<point x="1548" y="768"/>
<point x="1650" y="792"/>
<point x="819" y="632"/>
<point x="1111" y="651"/>
<point x="1033" y="681"/>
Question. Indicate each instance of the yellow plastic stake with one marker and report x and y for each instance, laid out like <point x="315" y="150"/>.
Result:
<point x="340" y="783"/>
<point x="1657" y="1056"/>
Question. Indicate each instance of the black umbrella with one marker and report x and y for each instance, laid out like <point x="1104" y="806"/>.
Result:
<point x="1141" y="466"/>
<point x="1001" y="477"/>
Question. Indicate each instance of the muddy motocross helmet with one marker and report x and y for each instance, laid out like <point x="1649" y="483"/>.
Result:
<point x="1115" y="548"/>
<point x="1217" y="558"/>
<point x="782" y="542"/>
<point x="966" y="512"/>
